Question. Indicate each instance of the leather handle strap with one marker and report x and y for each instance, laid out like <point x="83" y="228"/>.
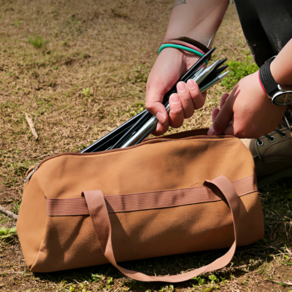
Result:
<point x="102" y="225"/>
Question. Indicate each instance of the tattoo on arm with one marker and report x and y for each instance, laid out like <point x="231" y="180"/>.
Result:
<point x="179" y="2"/>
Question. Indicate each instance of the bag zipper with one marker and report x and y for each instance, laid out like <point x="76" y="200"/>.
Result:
<point x="148" y="141"/>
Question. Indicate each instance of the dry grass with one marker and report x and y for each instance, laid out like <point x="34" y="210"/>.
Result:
<point x="80" y="69"/>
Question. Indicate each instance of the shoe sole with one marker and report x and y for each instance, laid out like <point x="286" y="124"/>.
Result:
<point x="274" y="177"/>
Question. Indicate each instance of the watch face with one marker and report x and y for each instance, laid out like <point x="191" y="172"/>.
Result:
<point x="282" y="98"/>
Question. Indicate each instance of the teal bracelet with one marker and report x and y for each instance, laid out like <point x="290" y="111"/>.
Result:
<point x="182" y="48"/>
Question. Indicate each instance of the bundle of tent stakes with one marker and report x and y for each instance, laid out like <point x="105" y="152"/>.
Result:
<point x="140" y="126"/>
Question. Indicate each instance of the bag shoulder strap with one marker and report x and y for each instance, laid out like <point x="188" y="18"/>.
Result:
<point x="102" y="225"/>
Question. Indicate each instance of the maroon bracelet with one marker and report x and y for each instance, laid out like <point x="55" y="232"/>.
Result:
<point x="185" y="45"/>
<point x="192" y="42"/>
<point x="186" y="40"/>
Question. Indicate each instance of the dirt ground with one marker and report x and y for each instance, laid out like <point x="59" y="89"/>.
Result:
<point x="83" y="73"/>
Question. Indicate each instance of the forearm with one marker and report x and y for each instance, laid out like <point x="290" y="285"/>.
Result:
<point x="281" y="67"/>
<point x="197" y="19"/>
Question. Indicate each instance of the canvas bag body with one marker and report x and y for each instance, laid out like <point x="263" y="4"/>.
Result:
<point x="176" y="165"/>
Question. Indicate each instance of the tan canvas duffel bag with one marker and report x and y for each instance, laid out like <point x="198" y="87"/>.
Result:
<point x="175" y="194"/>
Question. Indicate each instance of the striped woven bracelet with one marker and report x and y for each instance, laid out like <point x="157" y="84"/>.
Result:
<point x="181" y="47"/>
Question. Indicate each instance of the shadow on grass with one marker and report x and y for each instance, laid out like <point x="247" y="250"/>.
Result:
<point x="276" y="200"/>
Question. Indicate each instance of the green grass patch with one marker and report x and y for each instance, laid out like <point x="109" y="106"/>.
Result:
<point x="238" y="70"/>
<point x="7" y="234"/>
<point x="16" y="23"/>
<point x="36" y="41"/>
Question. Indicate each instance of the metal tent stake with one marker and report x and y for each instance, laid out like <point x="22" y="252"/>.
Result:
<point x="140" y="126"/>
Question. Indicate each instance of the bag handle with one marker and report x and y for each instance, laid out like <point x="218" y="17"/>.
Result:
<point x="102" y="225"/>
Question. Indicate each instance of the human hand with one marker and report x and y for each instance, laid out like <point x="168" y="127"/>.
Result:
<point x="247" y="112"/>
<point x="170" y="65"/>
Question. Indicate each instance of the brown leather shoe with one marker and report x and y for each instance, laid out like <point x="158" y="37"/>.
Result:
<point x="272" y="154"/>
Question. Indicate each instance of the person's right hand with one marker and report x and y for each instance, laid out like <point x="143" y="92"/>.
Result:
<point x="170" y="65"/>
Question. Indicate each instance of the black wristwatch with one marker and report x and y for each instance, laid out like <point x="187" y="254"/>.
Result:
<point x="277" y="94"/>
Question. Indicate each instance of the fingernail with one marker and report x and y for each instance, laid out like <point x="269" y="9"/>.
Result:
<point x="211" y="131"/>
<point x="191" y="83"/>
<point x="175" y="98"/>
<point x="181" y="86"/>
<point x="160" y="117"/>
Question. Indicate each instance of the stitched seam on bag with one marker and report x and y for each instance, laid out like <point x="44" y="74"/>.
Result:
<point x="162" y="191"/>
<point x="163" y="140"/>
<point x="147" y="200"/>
<point x="147" y="209"/>
<point x="172" y="190"/>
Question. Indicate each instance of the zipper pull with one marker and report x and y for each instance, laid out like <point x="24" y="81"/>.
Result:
<point x="32" y="172"/>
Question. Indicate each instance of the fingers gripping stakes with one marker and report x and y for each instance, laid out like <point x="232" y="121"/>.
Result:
<point x="139" y="127"/>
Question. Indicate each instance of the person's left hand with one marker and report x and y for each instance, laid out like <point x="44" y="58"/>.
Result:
<point x="247" y="112"/>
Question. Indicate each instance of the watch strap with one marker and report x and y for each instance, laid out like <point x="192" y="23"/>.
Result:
<point x="268" y="82"/>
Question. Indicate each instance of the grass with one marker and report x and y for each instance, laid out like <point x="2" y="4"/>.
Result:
<point x="89" y="78"/>
<point x="7" y="234"/>
<point x="36" y="41"/>
<point x="238" y="70"/>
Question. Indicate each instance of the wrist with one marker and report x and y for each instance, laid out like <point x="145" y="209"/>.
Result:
<point x="261" y="84"/>
<point x="178" y="43"/>
<point x="274" y="71"/>
<point x="178" y="54"/>
<point x="277" y="94"/>
<point x="279" y="75"/>
<point x="187" y="41"/>
<point x="186" y="45"/>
